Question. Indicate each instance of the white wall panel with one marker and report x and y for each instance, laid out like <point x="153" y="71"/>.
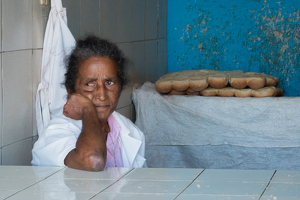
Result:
<point x="39" y="21"/>
<point x="17" y="153"/>
<point x="108" y="19"/>
<point x="89" y="17"/>
<point x="16" y="24"/>
<point x="138" y="20"/>
<point x="124" y="21"/>
<point x="151" y="20"/>
<point x="17" y="96"/>
<point x="1" y="102"/>
<point x="151" y="60"/>
<point x="138" y="69"/>
<point x="36" y="79"/>
<point x="73" y="16"/>
<point x="162" y="57"/>
<point x="162" y="19"/>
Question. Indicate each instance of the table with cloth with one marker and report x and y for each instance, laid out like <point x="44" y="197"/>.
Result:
<point x="218" y="132"/>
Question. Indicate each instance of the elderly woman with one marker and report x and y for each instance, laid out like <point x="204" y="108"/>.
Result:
<point x="91" y="135"/>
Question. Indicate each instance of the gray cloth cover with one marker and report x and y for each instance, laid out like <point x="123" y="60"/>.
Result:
<point x="218" y="132"/>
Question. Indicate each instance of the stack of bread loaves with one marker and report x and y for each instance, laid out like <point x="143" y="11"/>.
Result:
<point x="219" y="83"/>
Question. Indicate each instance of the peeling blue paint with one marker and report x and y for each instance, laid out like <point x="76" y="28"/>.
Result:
<point x="251" y="35"/>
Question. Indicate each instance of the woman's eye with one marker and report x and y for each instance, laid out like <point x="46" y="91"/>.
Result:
<point x="109" y="83"/>
<point x="89" y="84"/>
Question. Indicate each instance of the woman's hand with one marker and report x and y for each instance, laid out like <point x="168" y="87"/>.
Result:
<point x="76" y="106"/>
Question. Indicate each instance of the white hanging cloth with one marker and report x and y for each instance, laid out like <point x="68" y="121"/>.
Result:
<point x="58" y="42"/>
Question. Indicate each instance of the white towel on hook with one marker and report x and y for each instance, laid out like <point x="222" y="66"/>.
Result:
<point x="58" y="42"/>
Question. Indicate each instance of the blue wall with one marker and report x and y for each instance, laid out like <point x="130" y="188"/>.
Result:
<point x="250" y="35"/>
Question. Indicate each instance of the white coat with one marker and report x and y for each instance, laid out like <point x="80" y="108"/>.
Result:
<point x="60" y="137"/>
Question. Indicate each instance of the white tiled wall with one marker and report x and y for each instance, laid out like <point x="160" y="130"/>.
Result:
<point x="17" y="96"/>
<point x="138" y="27"/>
<point x="23" y="24"/>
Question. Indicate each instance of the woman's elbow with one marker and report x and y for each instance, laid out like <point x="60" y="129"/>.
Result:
<point x="96" y="163"/>
<point x="89" y="161"/>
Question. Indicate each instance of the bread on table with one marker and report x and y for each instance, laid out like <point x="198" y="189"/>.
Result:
<point x="219" y="83"/>
<point x="198" y="82"/>
<point x="226" y="92"/>
<point x="174" y="92"/>
<point x="164" y="85"/>
<point x="265" y="92"/>
<point x="191" y="92"/>
<point x="217" y="80"/>
<point x="246" y="92"/>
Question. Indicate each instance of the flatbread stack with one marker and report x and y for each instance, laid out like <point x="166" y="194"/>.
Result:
<point x="219" y="83"/>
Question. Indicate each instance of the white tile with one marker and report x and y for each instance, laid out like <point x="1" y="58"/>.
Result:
<point x="108" y="19"/>
<point x="126" y="48"/>
<point x="16" y="184"/>
<point x="278" y="198"/>
<point x="151" y="20"/>
<point x="39" y="23"/>
<point x="4" y="193"/>
<point x="163" y="174"/>
<point x="39" y="172"/>
<point x="142" y="187"/>
<point x="124" y="21"/>
<point x="36" y="79"/>
<point x="284" y="176"/>
<point x="125" y="98"/>
<point x="1" y="25"/>
<point x="109" y="173"/>
<point x="138" y="20"/>
<point x="38" y="195"/>
<point x="34" y="139"/>
<point x="151" y="61"/>
<point x="162" y="57"/>
<point x="112" y="196"/>
<point x="215" y="197"/>
<point x="17" y="96"/>
<point x="126" y="111"/>
<point x="61" y="184"/>
<point x="73" y="16"/>
<point x="16" y="24"/>
<point x="162" y="19"/>
<point x="138" y="70"/>
<point x="18" y="153"/>
<point x="89" y="17"/>
<point x="210" y="175"/>
<point x="226" y="188"/>
<point x="283" y="189"/>
<point x="1" y="102"/>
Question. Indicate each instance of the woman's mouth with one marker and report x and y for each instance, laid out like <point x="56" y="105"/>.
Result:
<point x="102" y="107"/>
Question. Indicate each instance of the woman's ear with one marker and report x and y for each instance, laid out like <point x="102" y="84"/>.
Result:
<point x="69" y="92"/>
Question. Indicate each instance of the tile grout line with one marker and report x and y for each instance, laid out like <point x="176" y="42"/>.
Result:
<point x="34" y="184"/>
<point x="112" y="183"/>
<point x="188" y="185"/>
<point x="267" y="185"/>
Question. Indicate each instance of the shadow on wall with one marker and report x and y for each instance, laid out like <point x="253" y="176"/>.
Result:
<point x="251" y="35"/>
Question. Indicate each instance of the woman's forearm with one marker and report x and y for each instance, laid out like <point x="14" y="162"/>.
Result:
<point x="90" y="151"/>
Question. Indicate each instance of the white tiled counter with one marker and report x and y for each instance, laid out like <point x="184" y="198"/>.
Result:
<point x="36" y="183"/>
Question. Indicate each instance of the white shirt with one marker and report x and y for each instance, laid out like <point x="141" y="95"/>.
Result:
<point x="61" y="134"/>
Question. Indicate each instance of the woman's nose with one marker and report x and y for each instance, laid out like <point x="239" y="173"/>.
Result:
<point x="100" y="93"/>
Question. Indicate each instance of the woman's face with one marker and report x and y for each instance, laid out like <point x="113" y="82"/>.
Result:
<point x="98" y="81"/>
